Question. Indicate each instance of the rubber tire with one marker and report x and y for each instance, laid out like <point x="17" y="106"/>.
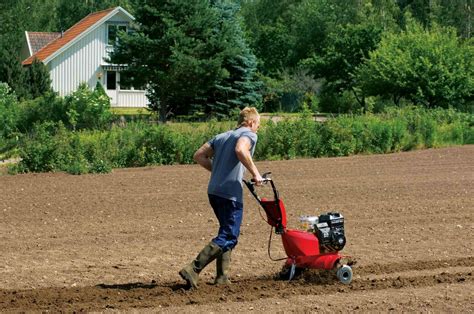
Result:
<point x="344" y="274"/>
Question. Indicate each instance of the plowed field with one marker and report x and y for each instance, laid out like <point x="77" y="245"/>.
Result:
<point x="117" y="241"/>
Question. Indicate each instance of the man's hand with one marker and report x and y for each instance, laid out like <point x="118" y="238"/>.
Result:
<point x="258" y="179"/>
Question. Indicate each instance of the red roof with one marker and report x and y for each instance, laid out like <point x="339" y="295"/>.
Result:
<point x="68" y="36"/>
<point x="38" y="40"/>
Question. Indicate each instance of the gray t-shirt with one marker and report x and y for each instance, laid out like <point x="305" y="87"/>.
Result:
<point x="227" y="170"/>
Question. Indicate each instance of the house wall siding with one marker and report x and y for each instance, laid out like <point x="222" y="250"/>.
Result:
<point x="130" y="98"/>
<point x="81" y="63"/>
<point x="119" y="17"/>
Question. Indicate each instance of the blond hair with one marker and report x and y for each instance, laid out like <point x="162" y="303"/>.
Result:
<point x="246" y="115"/>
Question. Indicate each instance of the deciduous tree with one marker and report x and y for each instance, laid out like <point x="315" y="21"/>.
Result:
<point x="429" y="67"/>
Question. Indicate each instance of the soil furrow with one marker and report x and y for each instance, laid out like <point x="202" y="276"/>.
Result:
<point x="388" y="268"/>
<point x="144" y="295"/>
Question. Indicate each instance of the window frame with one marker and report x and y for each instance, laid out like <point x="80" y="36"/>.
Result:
<point x="117" y="26"/>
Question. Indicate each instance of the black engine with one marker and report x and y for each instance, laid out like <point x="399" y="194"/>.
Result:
<point x="330" y="232"/>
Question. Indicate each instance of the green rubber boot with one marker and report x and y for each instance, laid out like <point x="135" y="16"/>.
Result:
<point x="222" y="269"/>
<point x="190" y="272"/>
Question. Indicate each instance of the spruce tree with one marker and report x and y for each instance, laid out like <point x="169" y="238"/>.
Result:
<point x="12" y="73"/>
<point x="187" y="55"/>
<point x="240" y="88"/>
<point x="37" y="79"/>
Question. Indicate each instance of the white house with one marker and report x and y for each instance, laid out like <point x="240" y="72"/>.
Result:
<point x="78" y="55"/>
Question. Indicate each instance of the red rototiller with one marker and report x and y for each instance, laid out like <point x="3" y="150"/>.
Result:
<point x="316" y="248"/>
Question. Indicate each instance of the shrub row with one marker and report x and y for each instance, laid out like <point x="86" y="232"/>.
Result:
<point x="83" y="109"/>
<point x="392" y="131"/>
<point x="52" y="147"/>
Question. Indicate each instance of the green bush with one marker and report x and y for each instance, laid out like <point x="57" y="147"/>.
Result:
<point x="289" y="139"/>
<point x="430" y="128"/>
<point x="394" y="130"/>
<point x="46" y="108"/>
<point x="88" y="109"/>
<point x="379" y="135"/>
<point x="83" y="109"/>
<point x="400" y="135"/>
<point x="338" y="102"/>
<point x="9" y="115"/>
<point x="51" y="147"/>
<point x="338" y="137"/>
<point x="8" y="110"/>
<point x="430" y="67"/>
<point x="121" y="146"/>
<point x="40" y="151"/>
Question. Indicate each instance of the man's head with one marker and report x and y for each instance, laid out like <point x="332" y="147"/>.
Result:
<point x="250" y="118"/>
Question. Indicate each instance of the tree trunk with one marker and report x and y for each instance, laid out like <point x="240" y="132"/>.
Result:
<point x="361" y="102"/>
<point x="396" y="100"/>
<point x="163" y="113"/>
<point x="468" y="26"/>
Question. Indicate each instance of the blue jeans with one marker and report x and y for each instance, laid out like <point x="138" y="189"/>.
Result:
<point x="229" y="213"/>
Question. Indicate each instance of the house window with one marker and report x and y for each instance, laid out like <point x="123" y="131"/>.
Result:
<point x="111" y="80"/>
<point x="112" y="32"/>
<point x="127" y="82"/>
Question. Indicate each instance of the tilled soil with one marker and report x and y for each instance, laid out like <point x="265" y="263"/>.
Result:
<point x="116" y="242"/>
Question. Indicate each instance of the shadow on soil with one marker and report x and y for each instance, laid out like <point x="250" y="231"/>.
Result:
<point x="128" y="286"/>
<point x="140" y="285"/>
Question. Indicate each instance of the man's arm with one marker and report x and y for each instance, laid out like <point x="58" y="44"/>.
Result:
<point x="242" y="149"/>
<point x="203" y="156"/>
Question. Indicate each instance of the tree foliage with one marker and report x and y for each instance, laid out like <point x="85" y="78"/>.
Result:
<point x="268" y="26"/>
<point x="240" y="87"/>
<point x="454" y="13"/>
<point x="9" y="113"/>
<point x="27" y="83"/>
<point x="12" y="73"/>
<point x="428" y="67"/>
<point x="333" y="39"/>
<point x="202" y="57"/>
<point x="191" y="55"/>
<point x="37" y="79"/>
<point x="347" y="49"/>
<point x="283" y="33"/>
<point x="71" y="12"/>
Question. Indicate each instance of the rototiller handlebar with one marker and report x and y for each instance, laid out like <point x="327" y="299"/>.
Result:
<point x="274" y="209"/>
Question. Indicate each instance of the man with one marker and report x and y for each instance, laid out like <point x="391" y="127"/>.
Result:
<point x="225" y="156"/>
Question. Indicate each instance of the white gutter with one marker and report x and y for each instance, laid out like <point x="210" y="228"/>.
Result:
<point x="29" y="45"/>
